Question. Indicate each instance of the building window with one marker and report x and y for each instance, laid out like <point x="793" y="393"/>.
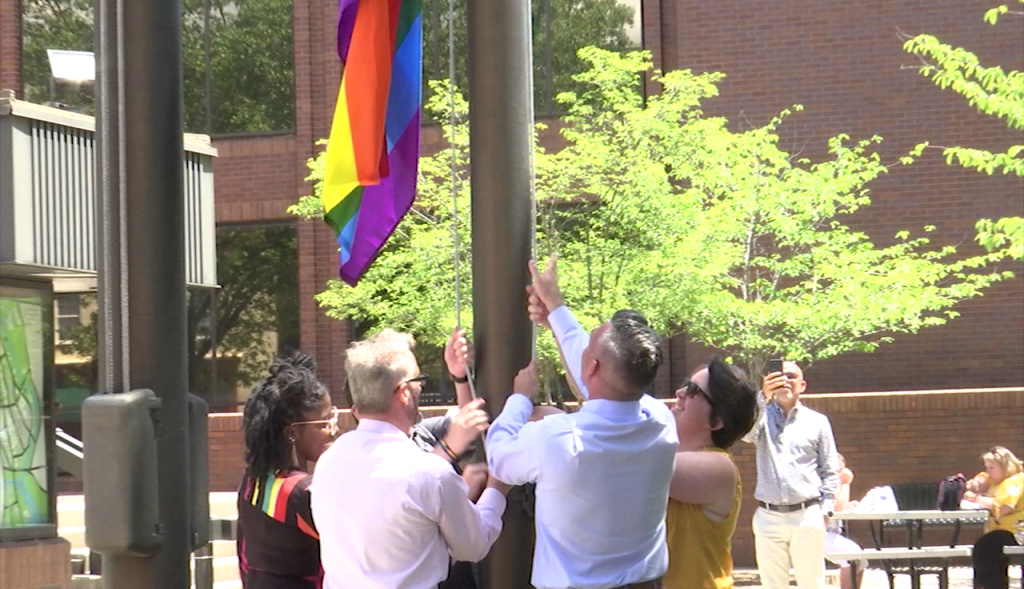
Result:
<point x="68" y="317"/>
<point x="237" y="330"/>
<point x="237" y="62"/>
<point x="560" y="29"/>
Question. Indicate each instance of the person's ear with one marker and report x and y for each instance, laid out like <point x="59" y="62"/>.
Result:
<point x="404" y="394"/>
<point x="591" y="369"/>
<point x="290" y="433"/>
<point x="716" y="424"/>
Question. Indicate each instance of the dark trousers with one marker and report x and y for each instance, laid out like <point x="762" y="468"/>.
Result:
<point x="990" y="563"/>
<point x="460" y="576"/>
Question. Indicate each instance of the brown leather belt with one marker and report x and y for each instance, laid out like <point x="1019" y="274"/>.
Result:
<point x="789" y="508"/>
<point x="652" y="584"/>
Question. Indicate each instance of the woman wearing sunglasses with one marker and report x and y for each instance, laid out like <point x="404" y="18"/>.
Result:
<point x="288" y="423"/>
<point x="714" y="408"/>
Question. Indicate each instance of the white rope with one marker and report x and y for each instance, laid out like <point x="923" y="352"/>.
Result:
<point x="452" y="120"/>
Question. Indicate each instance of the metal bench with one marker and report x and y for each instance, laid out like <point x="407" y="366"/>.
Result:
<point x="1016" y="554"/>
<point x="935" y="560"/>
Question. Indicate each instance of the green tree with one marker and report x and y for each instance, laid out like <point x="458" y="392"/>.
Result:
<point x="994" y="92"/>
<point x="655" y="206"/>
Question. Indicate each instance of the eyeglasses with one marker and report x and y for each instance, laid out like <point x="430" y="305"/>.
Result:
<point x="331" y="423"/>
<point x="691" y="388"/>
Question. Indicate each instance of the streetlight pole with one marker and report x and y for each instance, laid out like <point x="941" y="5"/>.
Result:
<point x="140" y="238"/>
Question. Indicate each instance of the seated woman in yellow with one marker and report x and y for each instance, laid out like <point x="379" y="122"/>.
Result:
<point x="714" y="408"/>
<point x="1005" y="504"/>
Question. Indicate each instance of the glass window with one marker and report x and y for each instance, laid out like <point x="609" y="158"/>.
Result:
<point x="26" y="450"/>
<point x="560" y="29"/>
<point x="238" y="329"/>
<point x="237" y="61"/>
<point x="55" y="24"/>
<point x="68" y="315"/>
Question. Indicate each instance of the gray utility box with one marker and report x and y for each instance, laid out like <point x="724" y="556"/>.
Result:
<point x="119" y="434"/>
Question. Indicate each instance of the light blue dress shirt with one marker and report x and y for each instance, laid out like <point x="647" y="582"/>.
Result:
<point x="602" y="479"/>
<point x="795" y="454"/>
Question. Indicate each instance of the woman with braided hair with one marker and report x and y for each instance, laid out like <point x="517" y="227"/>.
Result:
<point x="288" y="423"/>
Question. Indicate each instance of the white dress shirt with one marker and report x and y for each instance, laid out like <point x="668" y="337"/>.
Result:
<point x="602" y="479"/>
<point x="389" y="514"/>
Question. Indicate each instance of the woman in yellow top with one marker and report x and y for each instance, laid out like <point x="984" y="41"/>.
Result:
<point x="714" y="408"/>
<point x="1005" y="504"/>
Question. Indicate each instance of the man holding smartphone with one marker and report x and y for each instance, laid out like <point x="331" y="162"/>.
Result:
<point x="797" y="479"/>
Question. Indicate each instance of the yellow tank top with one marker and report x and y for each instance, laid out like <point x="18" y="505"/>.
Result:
<point x="699" y="549"/>
<point x="1009" y="492"/>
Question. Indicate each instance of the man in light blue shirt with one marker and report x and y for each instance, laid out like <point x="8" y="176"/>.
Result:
<point x="602" y="473"/>
<point x="797" y="480"/>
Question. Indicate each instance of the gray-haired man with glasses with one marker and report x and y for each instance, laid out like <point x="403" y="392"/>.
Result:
<point x="389" y="514"/>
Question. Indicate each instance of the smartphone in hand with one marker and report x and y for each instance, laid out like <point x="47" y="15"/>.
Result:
<point x="774" y="365"/>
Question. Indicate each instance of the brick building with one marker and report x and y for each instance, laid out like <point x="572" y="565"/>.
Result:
<point x="845" y="64"/>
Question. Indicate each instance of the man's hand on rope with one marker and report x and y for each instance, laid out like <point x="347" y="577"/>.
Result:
<point x="526" y="382"/>
<point x="466" y="426"/>
<point x="458" y="354"/>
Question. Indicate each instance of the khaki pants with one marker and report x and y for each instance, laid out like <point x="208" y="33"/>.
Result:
<point x="790" y="540"/>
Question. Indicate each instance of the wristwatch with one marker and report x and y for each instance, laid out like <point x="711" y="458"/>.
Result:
<point x="459" y="379"/>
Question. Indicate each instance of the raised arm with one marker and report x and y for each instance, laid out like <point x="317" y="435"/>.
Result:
<point x="756" y="432"/>
<point x="547" y="307"/>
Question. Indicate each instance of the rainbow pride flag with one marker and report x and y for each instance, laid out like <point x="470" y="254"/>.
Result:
<point x="373" y="150"/>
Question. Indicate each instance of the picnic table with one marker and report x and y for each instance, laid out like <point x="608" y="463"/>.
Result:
<point x="915" y="559"/>
<point x="914" y="521"/>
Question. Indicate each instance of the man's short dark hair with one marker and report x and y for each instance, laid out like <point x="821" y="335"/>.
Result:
<point x="735" y="402"/>
<point x="635" y="349"/>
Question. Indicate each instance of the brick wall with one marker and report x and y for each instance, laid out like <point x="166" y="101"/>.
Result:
<point x="846" y="65"/>
<point x="887" y="439"/>
<point x="35" y="564"/>
<point x="10" y="46"/>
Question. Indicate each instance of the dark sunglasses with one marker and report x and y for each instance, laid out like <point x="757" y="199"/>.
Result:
<point x="691" y="388"/>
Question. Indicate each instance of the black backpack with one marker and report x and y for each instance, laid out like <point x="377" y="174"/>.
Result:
<point x="951" y="491"/>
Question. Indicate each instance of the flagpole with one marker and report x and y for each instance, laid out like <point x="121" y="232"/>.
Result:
<point x="501" y="149"/>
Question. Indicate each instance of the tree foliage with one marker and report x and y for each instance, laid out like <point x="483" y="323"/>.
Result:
<point x="995" y="92"/>
<point x="655" y="206"/>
